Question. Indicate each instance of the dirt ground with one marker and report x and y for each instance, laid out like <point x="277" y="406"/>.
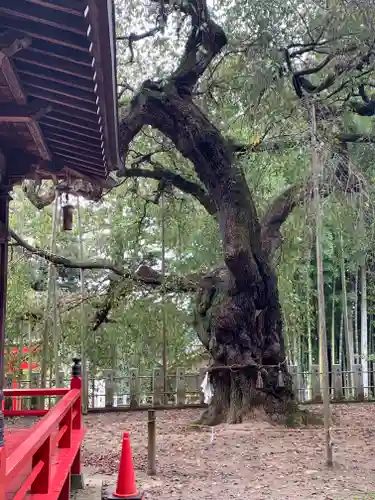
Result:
<point x="253" y="460"/>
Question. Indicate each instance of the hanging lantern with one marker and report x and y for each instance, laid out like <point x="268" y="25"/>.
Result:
<point x="67" y="214"/>
<point x="259" y="384"/>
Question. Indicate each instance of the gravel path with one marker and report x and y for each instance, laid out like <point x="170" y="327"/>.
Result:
<point x="254" y="460"/>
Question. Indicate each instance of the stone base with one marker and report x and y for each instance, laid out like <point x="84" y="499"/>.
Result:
<point x="108" y="495"/>
<point x="77" y="482"/>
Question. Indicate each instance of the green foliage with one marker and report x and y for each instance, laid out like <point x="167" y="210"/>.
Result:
<point x="243" y="97"/>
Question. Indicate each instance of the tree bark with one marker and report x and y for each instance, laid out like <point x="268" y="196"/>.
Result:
<point x="238" y="310"/>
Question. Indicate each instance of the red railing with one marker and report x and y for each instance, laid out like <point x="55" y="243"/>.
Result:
<point x="41" y="468"/>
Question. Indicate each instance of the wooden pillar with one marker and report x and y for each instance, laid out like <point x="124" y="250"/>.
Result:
<point x="4" y="238"/>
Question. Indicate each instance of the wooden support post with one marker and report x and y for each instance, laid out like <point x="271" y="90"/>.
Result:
<point x="337" y="382"/>
<point x="158" y="386"/>
<point x="77" y="482"/>
<point x="358" y="382"/>
<point x="40" y="484"/>
<point x="180" y="386"/>
<point x="134" y="387"/>
<point x="315" y="384"/>
<point x="109" y="387"/>
<point x="2" y="472"/>
<point x="66" y="439"/>
<point x="4" y="240"/>
<point x="151" y="448"/>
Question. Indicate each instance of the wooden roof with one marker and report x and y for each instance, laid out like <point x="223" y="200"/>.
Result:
<point x="58" y="112"/>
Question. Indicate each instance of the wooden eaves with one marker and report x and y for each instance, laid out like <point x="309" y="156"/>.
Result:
<point x="58" y="112"/>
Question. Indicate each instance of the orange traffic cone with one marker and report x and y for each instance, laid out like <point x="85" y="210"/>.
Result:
<point x="126" y="487"/>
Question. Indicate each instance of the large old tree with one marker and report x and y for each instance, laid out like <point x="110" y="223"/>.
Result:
<point x="238" y="315"/>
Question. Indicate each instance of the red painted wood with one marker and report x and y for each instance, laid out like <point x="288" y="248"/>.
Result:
<point x="40" y="431"/>
<point x="42" y="458"/>
<point x="25" y="413"/>
<point x="2" y="473"/>
<point x="54" y="391"/>
<point x="14" y="439"/>
<point x="22" y="492"/>
<point x="43" y="454"/>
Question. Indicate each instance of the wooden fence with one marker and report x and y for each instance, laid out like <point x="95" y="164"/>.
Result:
<point x="142" y="391"/>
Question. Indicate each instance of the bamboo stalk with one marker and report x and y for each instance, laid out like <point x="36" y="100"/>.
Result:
<point x="47" y="322"/>
<point x="164" y="326"/>
<point x="317" y="170"/>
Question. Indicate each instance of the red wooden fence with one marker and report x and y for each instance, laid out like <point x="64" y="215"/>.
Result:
<point x="41" y="465"/>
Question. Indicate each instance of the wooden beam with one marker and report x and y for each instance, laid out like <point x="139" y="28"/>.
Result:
<point x="55" y="64"/>
<point x="63" y="53"/>
<point x="12" y="80"/>
<point x="10" y="112"/>
<point x="54" y="75"/>
<point x="76" y="116"/>
<point x="73" y="111"/>
<point x="41" y="15"/>
<point x="74" y="7"/>
<point x="67" y="137"/>
<point x="80" y="159"/>
<point x="91" y="109"/>
<point x="70" y="144"/>
<point x="59" y="88"/>
<point x="58" y="148"/>
<point x="73" y="123"/>
<point x="85" y="170"/>
<point x="71" y="130"/>
<point x="12" y="42"/>
<point x="37" y="135"/>
<point x="27" y="162"/>
<point x="48" y="33"/>
<point x="100" y="17"/>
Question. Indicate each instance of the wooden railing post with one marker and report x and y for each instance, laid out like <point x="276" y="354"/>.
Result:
<point x="77" y="482"/>
<point x="76" y="383"/>
<point x="2" y="472"/>
<point x="42" y="480"/>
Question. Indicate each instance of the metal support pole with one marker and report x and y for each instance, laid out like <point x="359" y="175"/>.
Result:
<point x="4" y="239"/>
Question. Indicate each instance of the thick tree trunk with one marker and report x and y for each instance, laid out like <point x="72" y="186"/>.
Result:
<point x="250" y="341"/>
<point x="238" y="312"/>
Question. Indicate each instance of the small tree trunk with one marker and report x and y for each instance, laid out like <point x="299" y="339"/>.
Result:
<point x="355" y="317"/>
<point x="349" y="351"/>
<point x="341" y="340"/>
<point x="333" y="340"/>
<point x="47" y="318"/>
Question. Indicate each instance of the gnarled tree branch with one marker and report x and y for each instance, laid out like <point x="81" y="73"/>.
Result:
<point x="160" y="173"/>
